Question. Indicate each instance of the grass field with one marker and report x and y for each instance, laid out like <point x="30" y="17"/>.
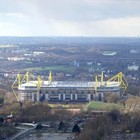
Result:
<point x="95" y="105"/>
<point x="58" y="68"/>
<point x="52" y="68"/>
<point x="67" y="106"/>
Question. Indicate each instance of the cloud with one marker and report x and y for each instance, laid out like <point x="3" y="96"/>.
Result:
<point x="70" y="17"/>
<point x="11" y="29"/>
<point x="129" y="26"/>
<point x="17" y="15"/>
<point x="111" y="1"/>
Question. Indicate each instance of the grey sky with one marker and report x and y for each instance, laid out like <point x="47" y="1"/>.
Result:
<point x="69" y="17"/>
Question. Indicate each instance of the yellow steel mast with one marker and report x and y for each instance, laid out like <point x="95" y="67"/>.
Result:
<point x="25" y="79"/>
<point x="102" y="77"/>
<point x="96" y="83"/>
<point x="15" y="85"/>
<point x="50" y="77"/>
<point x="120" y="79"/>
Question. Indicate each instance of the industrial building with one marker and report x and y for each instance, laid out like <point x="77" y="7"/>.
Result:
<point x="67" y="91"/>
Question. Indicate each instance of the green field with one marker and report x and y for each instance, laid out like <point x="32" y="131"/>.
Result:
<point x="52" y="68"/>
<point x="58" y="68"/>
<point x="95" y="105"/>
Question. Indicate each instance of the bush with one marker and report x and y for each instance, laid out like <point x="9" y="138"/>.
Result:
<point x="76" y="129"/>
<point x="7" y="131"/>
<point x="112" y="98"/>
<point x="115" y="116"/>
<point x="97" y="128"/>
<point x="1" y="119"/>
<point x="1" y="100"/>
<point x="39" y="126"/>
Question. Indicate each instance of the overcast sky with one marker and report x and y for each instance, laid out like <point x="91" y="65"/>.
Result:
<point x="70" y="18"/>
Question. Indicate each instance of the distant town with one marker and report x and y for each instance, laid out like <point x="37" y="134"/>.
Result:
<point x="70" y="58"/>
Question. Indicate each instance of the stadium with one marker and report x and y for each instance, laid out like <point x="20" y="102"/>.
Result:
<point x="67" y="91"/>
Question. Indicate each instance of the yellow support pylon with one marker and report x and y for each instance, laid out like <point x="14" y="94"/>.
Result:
<point x="39" y="82"/>
<point x="18" y="81"/>
<point x="15" y="85"/>
<point x="25" y="78"/>
<point x="50" y="77"/>
<point x="102" y="77"/>
<point x="120" y="79"/>
<point x="96" y="83"/>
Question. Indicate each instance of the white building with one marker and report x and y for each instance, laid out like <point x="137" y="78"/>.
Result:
<point x="133" y="68"/>
<point x="133" y="51"/>
<point x="109" y="53"/>
<point x="38" y="53"/>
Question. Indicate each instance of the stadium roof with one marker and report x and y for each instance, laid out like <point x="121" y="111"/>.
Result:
<point x="69" y="84"/>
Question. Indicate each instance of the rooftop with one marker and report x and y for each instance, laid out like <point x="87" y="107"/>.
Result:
<point x="68" y="84"/>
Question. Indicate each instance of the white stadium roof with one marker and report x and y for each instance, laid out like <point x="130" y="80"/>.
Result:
<point x="68" y="84"/>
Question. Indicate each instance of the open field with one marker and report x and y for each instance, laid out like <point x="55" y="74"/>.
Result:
<point x="67" y="106"/>
<point x="95" y="105"/>
<point x="59" y="68"/>
<point x="52" y="68"/>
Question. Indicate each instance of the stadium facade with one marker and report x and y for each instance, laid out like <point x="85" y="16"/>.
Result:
<point x="67" y="91"/>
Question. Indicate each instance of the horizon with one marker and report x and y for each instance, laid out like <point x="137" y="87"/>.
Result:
<point x="72" y="36"/>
